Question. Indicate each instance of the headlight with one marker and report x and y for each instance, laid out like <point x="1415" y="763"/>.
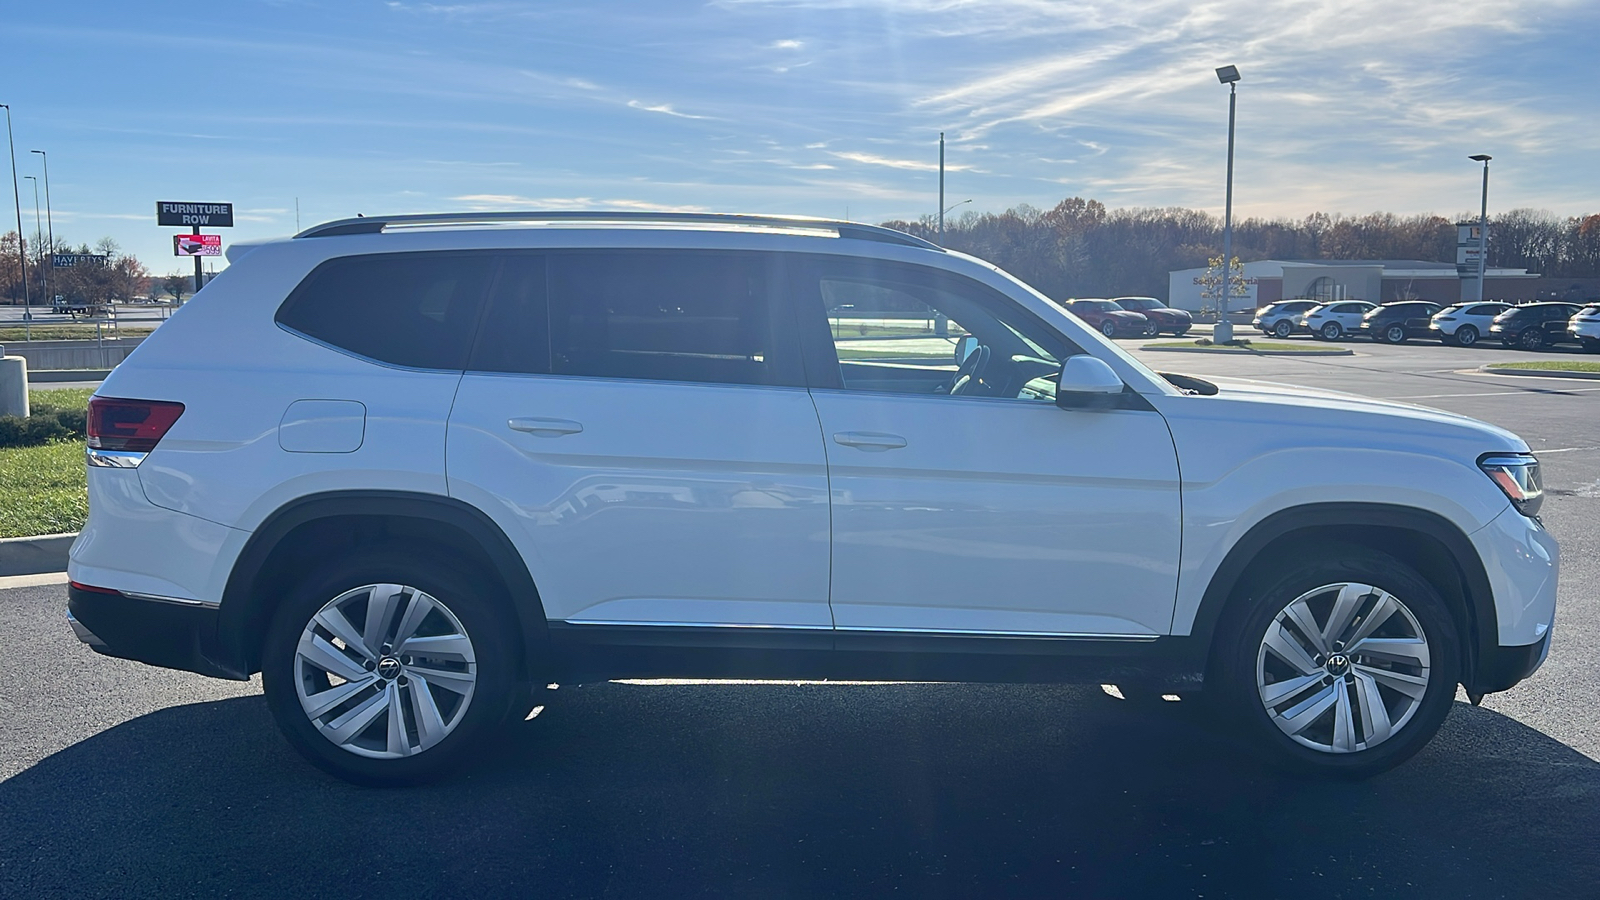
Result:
<point x="1517" y="474"/>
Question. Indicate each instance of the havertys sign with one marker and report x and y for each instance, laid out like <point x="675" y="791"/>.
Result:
<point x="214" y="215"/>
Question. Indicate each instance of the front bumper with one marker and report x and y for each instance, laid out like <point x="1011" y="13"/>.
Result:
<point x="1503" y="667"/>
<point x="158" y="632"/>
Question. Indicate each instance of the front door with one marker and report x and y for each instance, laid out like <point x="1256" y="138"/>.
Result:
<point x="638" y="424"/>
<point x="964" y="500"/>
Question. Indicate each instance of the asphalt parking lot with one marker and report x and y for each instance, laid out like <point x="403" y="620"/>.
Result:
<point x="120" y="780"/>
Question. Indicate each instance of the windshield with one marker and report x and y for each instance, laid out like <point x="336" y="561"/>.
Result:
<point x="1140" y="304"/>
<point x="1102" y="305"/>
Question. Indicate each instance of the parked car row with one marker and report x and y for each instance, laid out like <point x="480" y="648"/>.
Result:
<point x="1131" y="316"/>
<point x="1527" y="326"/>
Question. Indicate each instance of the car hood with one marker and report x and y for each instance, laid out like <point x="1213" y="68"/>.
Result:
<point x="1290" y="402"/>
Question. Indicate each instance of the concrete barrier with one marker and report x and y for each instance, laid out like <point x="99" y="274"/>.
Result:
<point x="43" y="355"/>
<point x="35" y="555"/>
<point x="13" y="385"/>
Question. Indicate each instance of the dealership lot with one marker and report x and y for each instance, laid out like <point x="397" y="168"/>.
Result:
<point x="123" y="780"/>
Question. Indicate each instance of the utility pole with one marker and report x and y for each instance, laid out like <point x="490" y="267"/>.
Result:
<point x="941" y="189"/>
<point x="49" y="224"/>
<point x="1483" y="222"/>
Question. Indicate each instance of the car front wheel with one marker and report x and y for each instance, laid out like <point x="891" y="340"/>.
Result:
<point x="1530" y="339"/>
<point x="1394" y="334"/>
<point x="1344" y="666"/>
<point x="1108" y="328"/>
<point x="389" y="667"/>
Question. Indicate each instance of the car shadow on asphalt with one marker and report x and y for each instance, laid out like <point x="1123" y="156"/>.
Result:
<point x="806" y="791"/>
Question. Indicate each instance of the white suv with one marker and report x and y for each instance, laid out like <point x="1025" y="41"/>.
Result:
<point x="409" y="468"/>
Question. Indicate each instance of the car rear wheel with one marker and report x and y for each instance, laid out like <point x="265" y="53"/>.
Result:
<point x="1466" y="335"/>
<point x="389" y="667"/>
<point x="1332" y="331"/>
<point x="1108" y="328"/>
<point x="1283" y="328"/>
<point x="1342" y="666"/>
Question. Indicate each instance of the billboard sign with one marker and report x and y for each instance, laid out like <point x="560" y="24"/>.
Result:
<point x="212" y="215"/>
<point x="197" y="245"/>
<point x="70" y="260"/>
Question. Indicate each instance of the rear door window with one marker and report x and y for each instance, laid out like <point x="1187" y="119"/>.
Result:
<point x="408" y="309"/>
<point x="697" y="316"/>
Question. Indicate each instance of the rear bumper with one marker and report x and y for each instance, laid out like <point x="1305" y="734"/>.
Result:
<point x="174" y="635"/>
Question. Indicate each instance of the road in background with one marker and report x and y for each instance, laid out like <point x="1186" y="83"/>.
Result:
<point x="122" y="780"/>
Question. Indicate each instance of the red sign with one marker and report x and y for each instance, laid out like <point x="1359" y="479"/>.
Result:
<point x="197" y="245"/>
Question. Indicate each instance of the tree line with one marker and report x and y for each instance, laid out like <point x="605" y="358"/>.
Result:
<point x="122" y="278"/>
<point x="1082" y="249"/>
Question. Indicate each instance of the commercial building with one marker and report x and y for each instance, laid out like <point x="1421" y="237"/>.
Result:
<point x="1374" y="280"/>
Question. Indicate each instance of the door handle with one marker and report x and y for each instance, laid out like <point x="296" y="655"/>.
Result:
<point x="545" y="427"/>
<point x="870" y="441"/>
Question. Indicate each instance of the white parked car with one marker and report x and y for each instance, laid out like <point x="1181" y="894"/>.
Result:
<point x="1464" y="323"/>
<point x="1334" y="321"/>
<point x="410" y="468"/>
<point x="1585" y="327"/>
<point x="1283" y="317"/>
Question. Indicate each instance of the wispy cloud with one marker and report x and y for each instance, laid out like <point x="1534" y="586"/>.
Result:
<point x="916" y="165"/>
<point x="664" y="108"/>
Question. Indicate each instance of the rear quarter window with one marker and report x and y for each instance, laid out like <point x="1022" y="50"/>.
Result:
<point x="418" y="310"/>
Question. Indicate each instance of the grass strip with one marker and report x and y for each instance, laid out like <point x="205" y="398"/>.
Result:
<point x="43" y="490"/>
<point x="1246" y="346"/>
<point x="1553" y="365"/>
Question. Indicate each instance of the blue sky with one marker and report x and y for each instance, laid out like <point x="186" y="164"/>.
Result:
<point x="815" y="107"/>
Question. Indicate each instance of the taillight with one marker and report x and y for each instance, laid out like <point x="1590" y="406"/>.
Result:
<point x="134" y="426"/>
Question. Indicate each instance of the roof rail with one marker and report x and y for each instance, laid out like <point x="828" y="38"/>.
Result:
<point x="378" y="224"/>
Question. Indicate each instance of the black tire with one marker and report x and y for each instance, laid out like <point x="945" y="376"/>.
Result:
<point x="1244" y="626"/>
<point x="1465" y="336"/>
<point x="1332" y="331"/>
<point x="1108" y="328"/>
<point x="1151" y="330"/>
<point x="486" y="620"/>
<point x="1530" y="339"/>
<point x="1394" y="334"/>
<point x="1283" y="328"/>
<point x="1181" y="332"/>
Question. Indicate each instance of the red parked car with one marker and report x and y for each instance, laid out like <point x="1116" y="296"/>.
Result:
<point x="1111" y="319"/>
<point x="1177" y="321"/>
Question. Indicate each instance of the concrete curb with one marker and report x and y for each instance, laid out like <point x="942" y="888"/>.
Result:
<point x="35" y="555"/>
<point x="1541" y="373"/>
<point x="1338" y="352"/>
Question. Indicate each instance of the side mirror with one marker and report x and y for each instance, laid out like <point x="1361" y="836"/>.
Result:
<point x="964" y="348"/>
<point x="1086" y="381"/>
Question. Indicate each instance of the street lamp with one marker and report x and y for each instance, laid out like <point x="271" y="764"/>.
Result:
<point x="38" y="225"/>
<point x="49" y="223"/>
<point x="1483" y="220"/>
<point x="954" y="205"/>
<point x="1228" y="75"/>
<point x="941" y="189"/>
<point x="16" y="194"/>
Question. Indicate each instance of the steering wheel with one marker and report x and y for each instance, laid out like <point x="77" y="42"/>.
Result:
<point x="971" y="370"/>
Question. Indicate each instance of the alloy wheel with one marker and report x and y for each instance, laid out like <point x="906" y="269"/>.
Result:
<point x="1332" y="331"/>
<point x="1343" y="668"/>
<point x="1108" y="328"/>
<point x="1284" y="328"/>
<point x="1394" y="334"/>
<point x="1466" y="335"/>
<point x="385" y="671"/>
<point x="1530" y="339"/>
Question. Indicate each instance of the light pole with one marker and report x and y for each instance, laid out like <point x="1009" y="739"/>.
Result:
<point x="22" y="255"/>
<point x="953" y="206"/>
<point x="38" y="224"/>
<point x="941" y="189"/>
<point x="49" y="224"/>
<point x="1228" y="75"/>
<point x="1483" y="221"/>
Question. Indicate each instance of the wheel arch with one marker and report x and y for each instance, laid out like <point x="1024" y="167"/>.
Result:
<point x="1433" y="545"/>
<point x="308" y="529"/>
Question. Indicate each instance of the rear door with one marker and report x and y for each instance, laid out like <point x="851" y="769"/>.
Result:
<point x="638" y="424"/>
